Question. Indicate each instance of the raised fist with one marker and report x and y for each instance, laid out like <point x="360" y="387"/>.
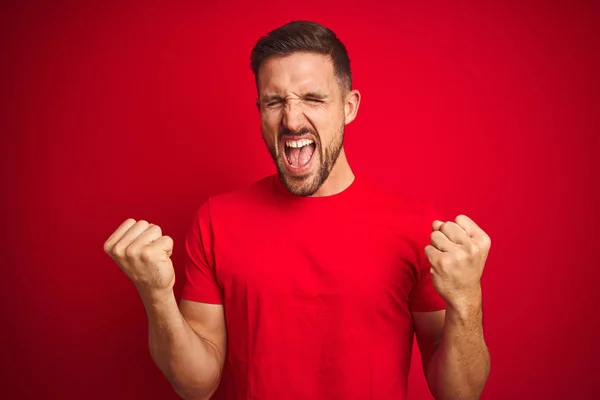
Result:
<point x="143" y="253"/>
<point x="457" y="253"/>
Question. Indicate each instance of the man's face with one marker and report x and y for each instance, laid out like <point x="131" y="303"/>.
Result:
<point x="302" y="118"/>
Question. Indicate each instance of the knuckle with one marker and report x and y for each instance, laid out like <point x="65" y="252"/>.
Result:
<point x="428" y="251"/>
<point x="473" y="248"/>
<point x="157" y="229"/>
<point x="146" y="255"/>
<point x="107" y="247"/>
<point x="118" y="250"/>
<point x="446" y="227"/>
<point x="143" y="223"/>
<point x="486" y="241"/>
<point x="131" y="251"/>
<point x="461" y="218"/>
<point x="445" y="262"/>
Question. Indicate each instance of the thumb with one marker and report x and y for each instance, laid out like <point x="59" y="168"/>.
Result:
<point x="436" y="225"/>
<point x="164" y="245"/>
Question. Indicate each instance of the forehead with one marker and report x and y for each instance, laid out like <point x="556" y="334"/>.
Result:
<point x="296" y="72"/>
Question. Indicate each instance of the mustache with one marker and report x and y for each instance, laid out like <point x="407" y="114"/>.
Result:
<point x="300" y="132"/>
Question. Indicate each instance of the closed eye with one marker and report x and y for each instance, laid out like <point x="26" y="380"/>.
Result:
<point x="274" y="103"/>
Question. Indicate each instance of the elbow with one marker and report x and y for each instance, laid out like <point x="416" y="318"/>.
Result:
<point x="463" y="395"/>
<point x="189" y="382"/>
<point x="463" y="391"/>
<point x="190" y="395"/>
<point x="193" y="389"/>
<point x="465" y="387"/>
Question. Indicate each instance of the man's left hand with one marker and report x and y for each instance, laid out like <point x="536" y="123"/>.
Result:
<point x="457" y="254"/>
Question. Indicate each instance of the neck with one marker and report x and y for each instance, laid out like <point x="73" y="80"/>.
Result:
<point x="339" y="179"/>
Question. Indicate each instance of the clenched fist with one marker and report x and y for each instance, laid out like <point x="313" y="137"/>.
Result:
<point x="457" y="254"/>
<point x="143" y="253"/>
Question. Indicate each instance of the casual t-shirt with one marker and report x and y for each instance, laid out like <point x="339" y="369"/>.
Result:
<point x="317" y="291"/>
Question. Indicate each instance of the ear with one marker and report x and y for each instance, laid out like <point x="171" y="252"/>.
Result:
<point x="351" y="105"/>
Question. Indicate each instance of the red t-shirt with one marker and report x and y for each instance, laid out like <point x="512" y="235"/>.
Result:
<point x="317" y="291"/>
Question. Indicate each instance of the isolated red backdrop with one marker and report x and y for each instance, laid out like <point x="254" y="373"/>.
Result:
<point x="112" y="111"/>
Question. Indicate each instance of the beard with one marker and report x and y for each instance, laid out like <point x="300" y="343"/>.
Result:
<point x="308" y="184"/>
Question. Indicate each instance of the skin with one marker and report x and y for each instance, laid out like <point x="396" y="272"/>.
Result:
<point x="456" y="360"/>
<point x="188" y="342"/>
<point x="300" y="95"/>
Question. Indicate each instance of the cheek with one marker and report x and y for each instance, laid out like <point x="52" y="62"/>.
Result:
<point x="326" y="123"/>
<point x="269" y="123"/>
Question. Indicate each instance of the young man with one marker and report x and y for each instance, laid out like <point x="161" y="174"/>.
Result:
<point x="310" y="284"/>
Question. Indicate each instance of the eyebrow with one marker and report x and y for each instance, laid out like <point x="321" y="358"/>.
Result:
<point x="312" y="95"/>
<point x="271" y="97"/>
<point x="315" y="95"/>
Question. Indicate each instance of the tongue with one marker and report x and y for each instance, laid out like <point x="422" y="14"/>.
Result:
<point x="299" y="157"/>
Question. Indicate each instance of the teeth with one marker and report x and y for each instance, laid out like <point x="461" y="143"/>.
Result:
<point x="298" y="143"/>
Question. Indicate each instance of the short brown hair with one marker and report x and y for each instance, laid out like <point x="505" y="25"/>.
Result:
<point x="303" y="36"/>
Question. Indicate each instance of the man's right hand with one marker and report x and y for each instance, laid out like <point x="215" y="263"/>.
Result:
<point x="143" y="254"/>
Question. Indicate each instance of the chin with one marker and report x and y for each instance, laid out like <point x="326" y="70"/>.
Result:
<point x="299" y="165"/>
<point x="305" y="184"/>
<point x="302" y="164"/>
<point x="300" y="186"/>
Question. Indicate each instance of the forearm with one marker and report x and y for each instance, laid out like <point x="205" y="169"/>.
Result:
<point x="460" y="366"/>
<point x="189" y="362"/>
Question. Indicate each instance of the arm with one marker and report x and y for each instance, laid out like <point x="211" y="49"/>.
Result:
<point x="455" y="357"/>
<point x="186" y="343"/>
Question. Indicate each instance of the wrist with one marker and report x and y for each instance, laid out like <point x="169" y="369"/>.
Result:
<point x="467" y="305"/>
<point x="154" y="296"/>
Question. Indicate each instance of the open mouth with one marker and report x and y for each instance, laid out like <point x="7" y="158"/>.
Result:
<point x="298" y="153"/>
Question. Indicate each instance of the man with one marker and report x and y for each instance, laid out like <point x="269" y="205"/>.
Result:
<point x="310" y="284"/>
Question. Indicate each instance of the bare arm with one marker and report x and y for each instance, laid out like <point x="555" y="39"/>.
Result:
<point x="455" y="357"/>
<point x="186" y="343"/>
<point x="457" y="361"/>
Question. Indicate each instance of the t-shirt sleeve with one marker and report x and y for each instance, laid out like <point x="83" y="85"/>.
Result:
<point x="200" y="278"/>
<point x="424" y="297"/>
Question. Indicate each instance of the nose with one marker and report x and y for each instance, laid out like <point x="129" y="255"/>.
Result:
<point x="293" y="117"/>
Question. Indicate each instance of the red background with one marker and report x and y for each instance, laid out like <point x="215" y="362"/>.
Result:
<point x="112" y="111"/>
